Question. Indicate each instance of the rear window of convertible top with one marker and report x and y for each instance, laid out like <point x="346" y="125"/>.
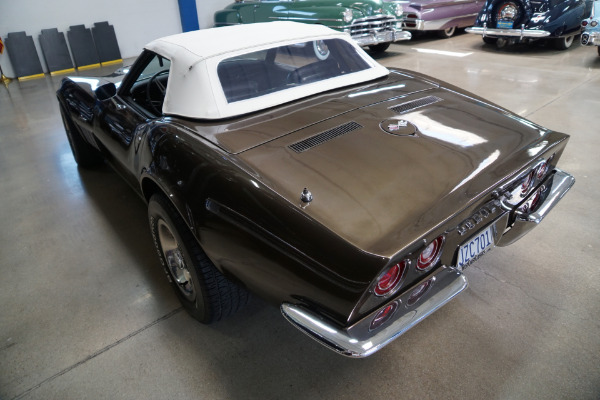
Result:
<point x="262" y="72"/>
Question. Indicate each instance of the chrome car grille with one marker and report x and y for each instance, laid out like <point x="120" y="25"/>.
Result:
<point x="376" y="23"/>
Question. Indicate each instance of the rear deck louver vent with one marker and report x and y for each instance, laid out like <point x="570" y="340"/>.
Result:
<point x="414" y="104"/>
<point x="323" y="137"/>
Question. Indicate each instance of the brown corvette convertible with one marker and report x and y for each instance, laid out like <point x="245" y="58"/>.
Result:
<point x="292" y="165"/>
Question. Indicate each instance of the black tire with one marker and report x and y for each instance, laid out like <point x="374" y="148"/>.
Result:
<point x="446" y="33"/>
<point x="85" y="155"/>
<point x="563" y="43"/>
<point x="379" y="48"/>
<point x="203" y="291"/>
<point x="598" y="47"/>
<point x="489" y="40"/>
<point x="501" y="42"/>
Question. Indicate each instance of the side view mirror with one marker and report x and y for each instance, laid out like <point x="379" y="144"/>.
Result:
<point x="106" y="91"/>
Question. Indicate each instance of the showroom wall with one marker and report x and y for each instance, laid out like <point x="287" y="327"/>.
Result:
<point x="136" y="22"/>
<point x="206" y="10"/>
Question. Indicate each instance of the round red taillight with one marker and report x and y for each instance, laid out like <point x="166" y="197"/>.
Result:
<point x="526" y="185"/>
<point x="430" y="255"/>
<point x="584" y="23"/>
<point x="384" y="315"/>
<point x="391" y="279"/>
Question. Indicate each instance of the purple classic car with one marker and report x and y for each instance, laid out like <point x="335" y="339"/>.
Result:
<point x="442" y="16"/>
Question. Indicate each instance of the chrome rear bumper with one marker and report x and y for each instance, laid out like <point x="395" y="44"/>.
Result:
<point x="554" y="188"/>
<point x="359" y="340"/>
<point x="495" y="32"/>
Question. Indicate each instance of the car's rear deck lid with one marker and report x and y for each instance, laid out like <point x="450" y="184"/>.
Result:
<point x="254" y="130"/>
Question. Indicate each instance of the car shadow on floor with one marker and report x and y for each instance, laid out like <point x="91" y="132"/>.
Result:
<point x="126" y="213"/>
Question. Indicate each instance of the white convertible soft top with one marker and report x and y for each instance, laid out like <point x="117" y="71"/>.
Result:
<point x="194" y="88"/>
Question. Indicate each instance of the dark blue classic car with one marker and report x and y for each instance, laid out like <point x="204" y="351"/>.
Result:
<point x="503" y="22"/>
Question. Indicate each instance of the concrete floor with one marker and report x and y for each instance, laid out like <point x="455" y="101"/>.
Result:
<point x="87" y="313"/>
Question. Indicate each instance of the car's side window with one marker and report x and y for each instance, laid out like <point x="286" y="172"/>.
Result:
<point x="157" y="64"/>
<point x="150" y="86"/>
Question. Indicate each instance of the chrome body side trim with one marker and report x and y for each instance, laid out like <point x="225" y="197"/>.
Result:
<point x="359" y="340"/>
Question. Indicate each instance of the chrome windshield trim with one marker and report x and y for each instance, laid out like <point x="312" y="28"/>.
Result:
<point x="359" y="340"/>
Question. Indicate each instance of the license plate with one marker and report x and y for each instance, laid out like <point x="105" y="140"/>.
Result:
<point x="475" y="247"/>
<point x="504" y="25"/>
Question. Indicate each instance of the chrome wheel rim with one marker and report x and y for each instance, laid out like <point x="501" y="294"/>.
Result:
<point x="175" y="263"/>
<point x="450" y="31"/>
<point x="569" y="41"/>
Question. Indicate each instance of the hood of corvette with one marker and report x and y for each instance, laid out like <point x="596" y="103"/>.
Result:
<point x="390" y="170"/>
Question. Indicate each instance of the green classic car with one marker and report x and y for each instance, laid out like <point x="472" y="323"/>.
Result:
<point x="372" y="23"/>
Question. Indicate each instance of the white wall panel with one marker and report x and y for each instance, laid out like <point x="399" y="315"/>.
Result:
<point x="206" y="10"/>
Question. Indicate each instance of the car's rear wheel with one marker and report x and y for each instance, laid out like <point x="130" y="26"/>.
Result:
<point x="447" y="33"/>
<point x="203" y="291"/>
<point x="563" y="43"/>
<point x="379" y="48"/>
<point x="501" y="43"/>
<point x="85" y="155"/>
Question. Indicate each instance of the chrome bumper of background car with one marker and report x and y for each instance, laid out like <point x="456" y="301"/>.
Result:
<point x="413" y="24"/>
<point x="590" y="38"/>
<point x="373" y="38"/>
<point x="554" y="188"/>
<point x="376" y="29"/>
<point x="359" y="340"/>
<point x="521" y="33"/>
<point x="432" y="25"/>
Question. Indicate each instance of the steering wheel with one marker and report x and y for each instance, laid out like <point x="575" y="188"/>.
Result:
<point x="156" y="105"/>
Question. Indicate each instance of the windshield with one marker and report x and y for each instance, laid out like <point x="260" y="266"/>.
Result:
<point x="262" y="72"/>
